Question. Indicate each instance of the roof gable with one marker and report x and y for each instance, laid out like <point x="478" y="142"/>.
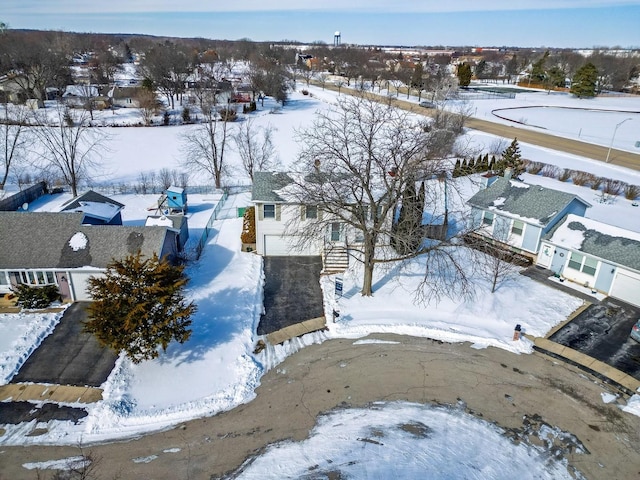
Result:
<point x="530" y="203"/>
<point x="94" y="205"/>
<point x="266" y="184"/>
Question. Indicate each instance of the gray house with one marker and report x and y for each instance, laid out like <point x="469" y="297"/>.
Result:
<point x="599" y="256"/>
<point x="518" y="215"/>
<point x="43" y="248"/>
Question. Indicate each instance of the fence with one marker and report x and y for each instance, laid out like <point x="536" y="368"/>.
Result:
<point x="484" y="94"/>
<point x="14" y="202"/>
<point x="209" y="225"/>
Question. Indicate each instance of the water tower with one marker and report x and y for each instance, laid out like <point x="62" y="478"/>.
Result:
<point x="336" y="39"/>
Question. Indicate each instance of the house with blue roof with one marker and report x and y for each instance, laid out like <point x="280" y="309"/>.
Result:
<point x="596" y="255"/>
<point x="517" y="215"/>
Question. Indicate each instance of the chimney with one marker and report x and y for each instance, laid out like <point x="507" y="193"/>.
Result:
<point x="508" y="173"/>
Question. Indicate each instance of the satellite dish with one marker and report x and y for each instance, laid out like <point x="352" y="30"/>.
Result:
<point x="25" y="206"/>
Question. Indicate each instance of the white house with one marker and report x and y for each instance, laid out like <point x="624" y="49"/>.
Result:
<point x="594" y="254"/>
<point x="518" y="215"/>
<point x="274" y="212"/>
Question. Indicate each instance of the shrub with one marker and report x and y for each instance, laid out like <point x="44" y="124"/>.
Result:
<point x="550" y="171"/>
<point x="631" y="192"/>
<point x="228" y="115"/>
<point x="533" y="168"/>
<point x="596" y="182"/>
<point x="36" y="297"/>
<point x="249" y="226"/>
<point x="613" y="187"/>
<point x="186" y="115"/>
<point x="581" y="178"/>
<point x="565" y="174"/>
<point x="165" y="118"/>
<point x="305" y="92"/>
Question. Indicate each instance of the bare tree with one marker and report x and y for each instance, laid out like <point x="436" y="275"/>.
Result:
<point x="494" y="263"/>
<point x="14" y="139"/>
<point x="149" y="105"/>
<point x="355" y="163"/>
<point x="69" y="145"/>
<point x="204" y="145"/>
<point x="255" y="147"/>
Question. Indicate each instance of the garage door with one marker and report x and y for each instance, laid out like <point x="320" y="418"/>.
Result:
<point x="277" y="245"/>
<point x="79" y="284"/>
<point x="626" y="288"/>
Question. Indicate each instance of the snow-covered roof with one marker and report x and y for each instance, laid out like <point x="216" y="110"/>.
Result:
<point x="530" y="203"/>
<point x="80" y="91"/>
<point x="94" y="205"/>
<point x="598" y="239"/>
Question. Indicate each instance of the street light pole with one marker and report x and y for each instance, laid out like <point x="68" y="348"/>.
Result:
<point x="613" y="137"/>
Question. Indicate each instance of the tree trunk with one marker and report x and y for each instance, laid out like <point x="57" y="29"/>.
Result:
<point x="369" y="254"/>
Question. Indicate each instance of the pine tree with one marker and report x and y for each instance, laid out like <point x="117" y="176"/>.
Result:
<point x="464" y="74"/>
<point x="457" y="169"/>
<point x="585" y="81"/>
<point x="512" y="158"/>
<point x="138" y="306"/>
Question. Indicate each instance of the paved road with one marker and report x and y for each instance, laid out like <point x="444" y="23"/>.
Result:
<point x="512" y="390"/>
<point x="292" y="292"/>
<point x="618" y="157"/>
<point x="68" y="356"/>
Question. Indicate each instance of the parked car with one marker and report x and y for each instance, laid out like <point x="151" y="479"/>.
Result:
<point x="427" y="104"/>
<point x="635" y="331"/>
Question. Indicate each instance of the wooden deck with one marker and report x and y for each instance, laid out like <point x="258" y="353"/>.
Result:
<point x="297" y="330"/>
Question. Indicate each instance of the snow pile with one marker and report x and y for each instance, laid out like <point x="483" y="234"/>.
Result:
<point x="405" y="440"/>
<point x="78" y="241"/>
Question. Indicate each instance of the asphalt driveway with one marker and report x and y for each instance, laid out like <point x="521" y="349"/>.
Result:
<point x="292" y="292"/>
<point x="602" y="332"/>
<point x="69" y="356"/>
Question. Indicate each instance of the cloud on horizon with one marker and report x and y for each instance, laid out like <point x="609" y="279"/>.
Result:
<point x="48" y="7"/>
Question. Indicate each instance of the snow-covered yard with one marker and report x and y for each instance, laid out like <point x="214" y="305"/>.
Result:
<point x="217" y="370"/>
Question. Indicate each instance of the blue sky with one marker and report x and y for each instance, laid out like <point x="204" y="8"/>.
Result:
<point x="524" y="23"/>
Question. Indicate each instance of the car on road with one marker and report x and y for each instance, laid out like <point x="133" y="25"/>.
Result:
<point x="635" y="331"/>
<point x="427" y="104"/>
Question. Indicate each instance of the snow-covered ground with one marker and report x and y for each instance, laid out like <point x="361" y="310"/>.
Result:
<point x="216" y="369"/>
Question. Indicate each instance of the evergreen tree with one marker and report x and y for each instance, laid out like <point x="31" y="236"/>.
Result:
<point x="538" y="69"/>
<point x="492" y="164"/>
<point x="408" y="229"/>
<point x="512" y="158"/>
<point x="457" y="169"/>
<point x="585" y="81"/>
<point x="464" y="74"/>
<point x="138" y="306"/>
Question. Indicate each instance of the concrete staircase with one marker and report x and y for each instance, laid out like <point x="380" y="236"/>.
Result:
<point x="335" y="259"/>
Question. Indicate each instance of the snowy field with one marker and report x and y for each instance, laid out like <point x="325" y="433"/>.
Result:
<point x="216" y="369"/>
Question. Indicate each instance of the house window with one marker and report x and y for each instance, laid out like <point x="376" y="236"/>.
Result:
<point x="583" y="264"/>
<point x="575" y="262"/>
<point x="36" y="277"/>
<point x="269" y="211"/>
<point x="487" y="218"/>
<point x="3" y="279"/>
<point x="335" y="232"/>
<point x="517" y="228"/>
<point x="311" y="212"/>
<point x="590" y="265"/>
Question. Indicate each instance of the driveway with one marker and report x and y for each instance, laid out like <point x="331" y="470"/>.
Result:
<point x="292" y="292"/>
<point x="602" y="332"/>
<point x="69" y="356"/>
